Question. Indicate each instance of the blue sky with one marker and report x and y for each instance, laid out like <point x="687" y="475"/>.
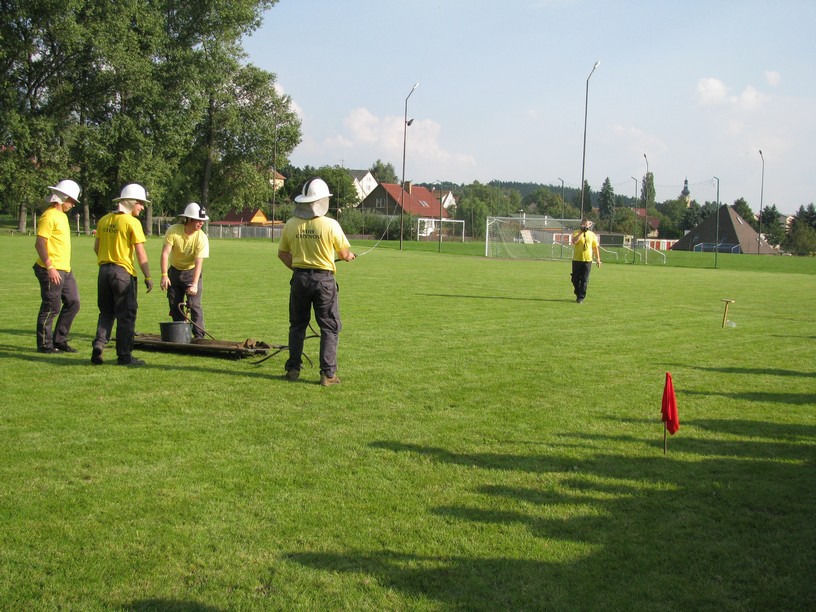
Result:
<point x="699" y="87"/>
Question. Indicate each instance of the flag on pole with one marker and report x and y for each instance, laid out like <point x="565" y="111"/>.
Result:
<point x="669" y="408"/>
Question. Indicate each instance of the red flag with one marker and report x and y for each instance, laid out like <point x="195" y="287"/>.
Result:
<point x="669" y="409"/>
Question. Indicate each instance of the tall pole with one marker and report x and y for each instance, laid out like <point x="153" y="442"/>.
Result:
<point x="646" y="213"/>
<point x="563" y="216"/>
<point x="635" y="204"/>
<point x="440" y="216"/>
<point x="717" y="225"/>
<point x="586" y="111"/>
<point x="274" y="176"/>
<point x="761" y="194"/>
<point x="404" y="140"/>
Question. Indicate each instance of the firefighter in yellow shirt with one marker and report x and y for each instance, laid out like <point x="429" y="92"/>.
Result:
<point x="119" y="235"/>
<point x="58" y="287"/>
<point x="185" y="248"/>
<point x="585" y="244"/>
<point x="309" y="245"/>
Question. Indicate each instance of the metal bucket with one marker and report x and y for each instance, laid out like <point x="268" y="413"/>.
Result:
<point x="179" y="332"/>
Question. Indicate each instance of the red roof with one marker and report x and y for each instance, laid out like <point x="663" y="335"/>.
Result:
<point x="418" y="201"/>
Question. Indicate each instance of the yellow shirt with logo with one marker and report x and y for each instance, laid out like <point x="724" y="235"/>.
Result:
<point x="118" y="234"/>
<point x="186" y="249"/>
<point x="54" y="227"/>
<point x="583" y="245"/>
<point x="313" y="243"/>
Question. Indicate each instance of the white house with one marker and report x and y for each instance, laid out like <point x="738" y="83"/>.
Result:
<point x="364" y="183"/>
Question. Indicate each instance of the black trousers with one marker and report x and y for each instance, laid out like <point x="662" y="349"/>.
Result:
<point x="116" y="298"/>
<point x="60" y="301"/>
<point x="580" y="277"/>
<point x="176" y="294"/>
<point x="314" y="289"/>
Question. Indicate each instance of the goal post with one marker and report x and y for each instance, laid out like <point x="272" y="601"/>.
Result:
<point x="428" y="228"/>
<point x="530" y="237"/>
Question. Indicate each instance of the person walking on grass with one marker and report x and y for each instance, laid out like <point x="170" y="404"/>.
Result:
<point x="310" y="244"/>
<point x="585" y="243"/>
<point x="58" y="287"/>
<point x="118" y="235"/>
<point x="185" y="248"/>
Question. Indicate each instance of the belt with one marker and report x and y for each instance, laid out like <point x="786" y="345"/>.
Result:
<point x="312" y="271"/>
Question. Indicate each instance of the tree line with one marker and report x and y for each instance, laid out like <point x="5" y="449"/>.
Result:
<point x="156" y="93"/>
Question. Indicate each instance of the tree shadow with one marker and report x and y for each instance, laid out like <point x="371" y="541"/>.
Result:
<point x="748" y="371"/>
<point x="720" y="532"/>
<point x="169" y="605"/>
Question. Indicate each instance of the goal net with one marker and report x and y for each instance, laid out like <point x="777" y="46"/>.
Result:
<point x="527" y="237"/>
<point x="429" y="228"/>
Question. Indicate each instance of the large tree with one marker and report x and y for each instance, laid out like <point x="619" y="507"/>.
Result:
<point x="112" y="92"/>
<point x="384" y="173"/>
<point x="606" y="202"/>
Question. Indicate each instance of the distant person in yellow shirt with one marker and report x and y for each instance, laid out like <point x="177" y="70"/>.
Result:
<point x="119" y="235"/>
<point x="585" y="244"/>
<point x="58" y="287"/>
<point x="310" y="244"/>
<point x="185" y="248"/>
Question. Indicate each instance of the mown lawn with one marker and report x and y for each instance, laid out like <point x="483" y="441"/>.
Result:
<point x="493" y="445"/>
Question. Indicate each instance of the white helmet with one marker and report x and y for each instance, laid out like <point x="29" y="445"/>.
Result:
<point x="133" y="191"/>
<point x="313" y="190"/>
<point x="195" y="212"/>
<point x="314" y="201"/>
<point x="67" y="188"/>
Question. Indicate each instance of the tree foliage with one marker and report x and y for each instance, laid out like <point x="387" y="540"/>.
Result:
<point x="384" y="173"/>
<point x="116" y="92"/>
<point x="606" y="202"/>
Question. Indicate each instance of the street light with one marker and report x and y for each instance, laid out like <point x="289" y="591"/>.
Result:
<point x="761" y="193"/>
<point x="635" y="203"/>
<point x="586" y="110"/>
<point x="405" y="125"/>
<point x="646" y="214"/>
<point x="563" y="215"/>
<point x="274" y="176"/>
<point x="440" y="215"/>
<point x="717" y="225"/>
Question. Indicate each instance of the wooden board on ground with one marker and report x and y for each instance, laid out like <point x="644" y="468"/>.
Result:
<point x="204" y="346"/>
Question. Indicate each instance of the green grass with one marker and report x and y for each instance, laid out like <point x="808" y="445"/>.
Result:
<point x="493" y="445"/>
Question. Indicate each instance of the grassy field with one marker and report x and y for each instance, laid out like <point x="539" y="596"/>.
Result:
<point x="493" y="444"/>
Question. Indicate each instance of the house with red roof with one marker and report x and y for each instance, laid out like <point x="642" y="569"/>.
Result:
<point x="388" y="198"/>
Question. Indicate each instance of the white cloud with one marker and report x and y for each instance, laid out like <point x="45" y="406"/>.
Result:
<point x="773" y="78"/>
<point x="711" y="91"/>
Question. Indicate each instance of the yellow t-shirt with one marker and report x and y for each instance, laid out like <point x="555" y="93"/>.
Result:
<point x="54" y="227"/>
<point x="583" y="245"/>
<point x="313" y="243"/>
<point x="118" y="233"/>
<point x="186" y="249"/>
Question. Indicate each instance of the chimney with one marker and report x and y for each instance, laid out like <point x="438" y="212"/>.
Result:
<point x="407" y="186"/>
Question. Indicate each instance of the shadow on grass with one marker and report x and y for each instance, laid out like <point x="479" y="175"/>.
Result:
<point x="490" y="297"/>
<point x="169" y="605"/>
<point x="625" y="532"/>
<point x="794" y="399"/>
<point x="749" y="371"/>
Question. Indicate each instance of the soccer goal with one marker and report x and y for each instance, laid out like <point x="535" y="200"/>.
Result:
<point x="528" y="237"/>
<point x="428" y="228"/>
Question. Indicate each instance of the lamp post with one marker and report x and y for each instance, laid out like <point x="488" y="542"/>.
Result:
<point x="761" y="193"/>
<point x="563" y="214"/>
<point x="274" y="176"/>
<point x="440" y="216"/>
<point x="583" y="160"/>
<point x="646" y="213"/>
<point x="635" y="203"/>
<point x="717" y="225"/>
<point x="405" y="125"/>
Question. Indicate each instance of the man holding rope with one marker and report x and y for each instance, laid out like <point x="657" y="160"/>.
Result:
<point x="310" y="244"/>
